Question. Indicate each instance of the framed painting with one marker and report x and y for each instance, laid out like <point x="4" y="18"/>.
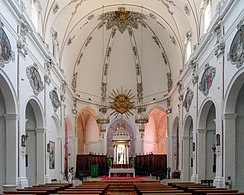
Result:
<point x="51" y="155"/>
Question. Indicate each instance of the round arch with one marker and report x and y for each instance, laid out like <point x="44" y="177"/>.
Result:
<point x="233" y="129"/>
<point x="88" y="131"/>
<point x="206" y="162"/>
<point x="155" y="136"/>
<point x="35" y="144"/>
<point x="8" y="131"/>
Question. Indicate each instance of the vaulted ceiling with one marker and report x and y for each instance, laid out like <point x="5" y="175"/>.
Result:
<point x="105" y="45"/>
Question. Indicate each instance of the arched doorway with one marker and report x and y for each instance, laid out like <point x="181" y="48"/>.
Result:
<point x="8" y="133"/>
<point x="35" y="143"/>
<point x="234" y="134"/>
<point x="155" y="133"/>
<point x="188" y="149"/>
<point x="207" y="142"/>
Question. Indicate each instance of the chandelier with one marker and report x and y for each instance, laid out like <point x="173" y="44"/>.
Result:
<point x="103" y="119"/>
<point x="141" y="118"/>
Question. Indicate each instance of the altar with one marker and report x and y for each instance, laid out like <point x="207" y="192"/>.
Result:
<point x="128" y="171"/>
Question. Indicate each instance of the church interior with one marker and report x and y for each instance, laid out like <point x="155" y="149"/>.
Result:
<point x="122" y="89"/>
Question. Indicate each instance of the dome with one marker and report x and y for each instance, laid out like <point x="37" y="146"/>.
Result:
<point x="121" y="134"/>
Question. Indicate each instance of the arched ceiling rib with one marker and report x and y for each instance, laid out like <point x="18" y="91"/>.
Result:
<point x="155" y="48"/>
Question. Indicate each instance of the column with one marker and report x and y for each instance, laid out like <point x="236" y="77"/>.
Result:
<point x="229" y="146"/>
<point x="115" y="155"/>
<point x="173" y="152"/>
<point x="127" y="155"/>
<point x="11" y="148"/>
<point x="40" y="150"/>
<point x="186" y="159"/>
<point x="201" y="154"/>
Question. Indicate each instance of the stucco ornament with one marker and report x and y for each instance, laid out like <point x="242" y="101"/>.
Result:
<point x="122" y="103"/>
<point x="34" y="79"/>
<point x="122" y="19"/>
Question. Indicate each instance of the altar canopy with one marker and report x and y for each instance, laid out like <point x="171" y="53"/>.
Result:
<point x="121" y="143"/>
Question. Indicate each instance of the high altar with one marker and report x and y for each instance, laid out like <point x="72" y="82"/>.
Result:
<point x="121" y="143"/>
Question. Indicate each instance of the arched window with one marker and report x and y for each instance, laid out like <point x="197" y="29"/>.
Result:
<point x="35" y="14"/>
<point x="188" y="44"/>
<point x="207" y="14"/>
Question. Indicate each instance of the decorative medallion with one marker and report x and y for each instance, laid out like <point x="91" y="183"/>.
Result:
<point x="55" y="99"/>
<point x="34" y="79"/>
<point x="207" y="79"/>
<point x="122" y="103"/>
<point x="90" y="17"/>
<point x="187" y="9"/>
<point x="236" y="54"/>
<point x="188" y="99"/>
<point x="6" y="53"/>
<point x="55" y="8"/>
<point x="122" y="19"/>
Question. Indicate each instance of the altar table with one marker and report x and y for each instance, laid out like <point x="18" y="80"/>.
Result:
<point x="122" y="170"/>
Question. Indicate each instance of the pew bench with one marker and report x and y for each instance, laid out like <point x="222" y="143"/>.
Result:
<point x="216" y="190"/>
<point x="26" y="192"/>
<point x="81" y="192"/>
<point x="162" y="193"/>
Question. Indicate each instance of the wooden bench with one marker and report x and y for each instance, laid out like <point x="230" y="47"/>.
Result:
<point x="81" y="192"/>
<point x="26" y="192"/>
<point x="162" y="193"/>
<point x="216" y="190"/>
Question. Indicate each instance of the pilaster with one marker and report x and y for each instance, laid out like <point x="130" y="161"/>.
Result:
<point x="201" y="151"/>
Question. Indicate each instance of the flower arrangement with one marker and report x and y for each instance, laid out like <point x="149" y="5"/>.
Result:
<point x="109" y="161"/>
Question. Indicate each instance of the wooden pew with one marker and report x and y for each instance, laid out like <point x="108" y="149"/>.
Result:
<point x="81" y="192"/>
<point x="26" y="192"/>
<point x="162" y="193"/>
<point x="216" y="190"/>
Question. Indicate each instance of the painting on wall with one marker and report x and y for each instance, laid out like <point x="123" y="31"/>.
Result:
<point x="188" y="99"/>
<point x="207" y="79"/>
<point x="51" y="155"/>
<point x="236" y="54"/>
<point x="35" y="79"/>
<point x="6" y="53"/>
<point x="54" y="99"/>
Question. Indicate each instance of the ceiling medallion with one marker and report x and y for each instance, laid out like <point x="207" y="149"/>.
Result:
<point x="122" y="103"/>
<point x="122" y="19"/>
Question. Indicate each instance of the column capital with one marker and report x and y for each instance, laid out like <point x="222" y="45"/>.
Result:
<point x="201" y="131"/>
<point x="185" y="137"/>
<point x="41" y="130"/>
<point x="11" y="116"/>
<point x="59" y="138"/>
<point x="229" y="116"/>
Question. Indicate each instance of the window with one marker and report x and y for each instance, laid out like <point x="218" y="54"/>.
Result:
<point x="34" y="13"/>
<point x="188" y="46"/>
<point x="206" y="15"/>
